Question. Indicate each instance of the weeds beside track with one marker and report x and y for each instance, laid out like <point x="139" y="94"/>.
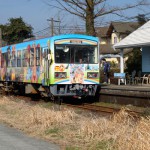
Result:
<point x="73" y="129"/>
<point x="33" y="100"/>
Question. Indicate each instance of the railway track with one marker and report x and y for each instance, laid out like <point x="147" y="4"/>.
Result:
<point x="103" y="109"/>
<point x="84" y="106"/>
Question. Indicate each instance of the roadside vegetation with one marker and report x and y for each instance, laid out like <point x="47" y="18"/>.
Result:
<point x="75" y="129"/>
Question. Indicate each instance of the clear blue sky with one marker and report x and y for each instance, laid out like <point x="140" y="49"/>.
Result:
<point x="33" y="12"/>
<point x="36" y="13"/>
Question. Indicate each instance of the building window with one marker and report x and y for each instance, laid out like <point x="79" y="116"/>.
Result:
<point x="115" y="40"/>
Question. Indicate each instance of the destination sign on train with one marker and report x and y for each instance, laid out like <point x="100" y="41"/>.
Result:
<point x="76" y="41"/>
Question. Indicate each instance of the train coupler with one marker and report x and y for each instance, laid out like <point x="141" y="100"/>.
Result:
<point x="77" y="97"/>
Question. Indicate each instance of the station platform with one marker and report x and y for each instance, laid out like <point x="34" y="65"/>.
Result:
<point x="138" y="94"/>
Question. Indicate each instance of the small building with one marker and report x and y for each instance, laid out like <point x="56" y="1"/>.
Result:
<point x="112" y="34"/>
<point x="138" y="38"/>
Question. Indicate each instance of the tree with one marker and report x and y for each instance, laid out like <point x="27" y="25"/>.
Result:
<point x="90" y="10"/>
<point x="141" y="19"/>
<point x="134" y="61"/>
<point x="16" y="31"/>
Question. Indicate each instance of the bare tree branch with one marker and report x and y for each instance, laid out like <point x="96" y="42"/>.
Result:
<point x="90" y="10"/>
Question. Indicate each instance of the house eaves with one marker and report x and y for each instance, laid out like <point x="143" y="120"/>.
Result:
<point x="107" y="49"/>
<point x="102" y="31"/>
<point x="123" y="27"/>
<point x="138" y="38"/>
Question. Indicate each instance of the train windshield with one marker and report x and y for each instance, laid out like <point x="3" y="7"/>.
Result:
<point x="76" y="54"/>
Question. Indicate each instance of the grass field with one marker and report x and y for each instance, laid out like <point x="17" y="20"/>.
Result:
<point x="75" y="129"/>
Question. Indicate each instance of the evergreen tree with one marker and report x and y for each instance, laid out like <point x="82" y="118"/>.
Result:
<point x="134" y="61"/>
<point x="16" y="30"/>
<point x="141" y="19"/>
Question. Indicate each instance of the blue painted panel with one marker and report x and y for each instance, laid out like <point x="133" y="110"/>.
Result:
<point x="146" y="59"/>
<point x="119" y="75"/>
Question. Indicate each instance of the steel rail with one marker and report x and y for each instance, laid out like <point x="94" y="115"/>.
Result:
<point x="103" y="109"/>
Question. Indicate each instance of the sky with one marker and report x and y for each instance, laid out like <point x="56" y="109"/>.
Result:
<point x="36" y="13"/>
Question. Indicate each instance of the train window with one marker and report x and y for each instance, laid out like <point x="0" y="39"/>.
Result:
<point x="62" y="54"/>
<point x="37" y="56"/>
<point x="76" y="54"/>
<point x="3" y="60"/>
<point x="85" y="54"/>
<point x="8" y="57"/>
<point x="25" y="58"/>
<point x="19" y="58"/>
<point x="32" y="57"/>
<point x="44" y="52"/>
<point x="13" y="58"/>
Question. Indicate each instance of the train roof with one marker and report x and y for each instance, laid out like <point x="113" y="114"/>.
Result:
<point x="52" y="38"/>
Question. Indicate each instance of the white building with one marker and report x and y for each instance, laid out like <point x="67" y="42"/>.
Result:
<point x="138" y="38"/>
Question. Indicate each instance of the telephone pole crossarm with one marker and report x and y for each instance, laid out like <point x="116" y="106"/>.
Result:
<point x="52" y="25"/>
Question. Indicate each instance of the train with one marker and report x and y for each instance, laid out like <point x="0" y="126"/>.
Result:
<point x="57" y="66"/>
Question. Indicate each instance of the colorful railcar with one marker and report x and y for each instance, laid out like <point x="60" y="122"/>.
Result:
<point x="63" y="65"/>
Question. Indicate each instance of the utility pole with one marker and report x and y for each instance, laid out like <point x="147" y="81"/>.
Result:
<point x="52" y="25"/>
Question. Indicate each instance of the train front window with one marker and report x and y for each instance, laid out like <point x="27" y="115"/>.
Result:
<point x="76" y="54"/>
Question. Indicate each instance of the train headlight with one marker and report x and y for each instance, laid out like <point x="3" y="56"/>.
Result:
<point x="60" y="75"/>
<point x="92" y="75"/>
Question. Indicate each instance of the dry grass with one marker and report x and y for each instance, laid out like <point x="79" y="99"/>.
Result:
<point x="74" y="131"/>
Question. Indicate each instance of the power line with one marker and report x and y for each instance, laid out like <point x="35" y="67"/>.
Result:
<point x="71" y="29"/>
<point x="52" y="25"/>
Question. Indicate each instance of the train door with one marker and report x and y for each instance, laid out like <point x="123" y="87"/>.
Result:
<point x="45" y="64"/>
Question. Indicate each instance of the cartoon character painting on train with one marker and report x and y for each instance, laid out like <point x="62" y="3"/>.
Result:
<point x="31" y="58"/>
<point x="37" y="63"/>
<point x="8" y="57"/>
<point x="13" y="56"/>
<point x="2" y="66"/>
<point x="35" y="57"/>
<point x="61" y="67"/>
<point x="19" y="74"/>
<point x="0" y="62"/>
<point x="91" y="67"/>
<point x="77" y="73"/>
<point x="27" y="74"/>
<point x="12" y="73"/>
<point x="19" y="58"/>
